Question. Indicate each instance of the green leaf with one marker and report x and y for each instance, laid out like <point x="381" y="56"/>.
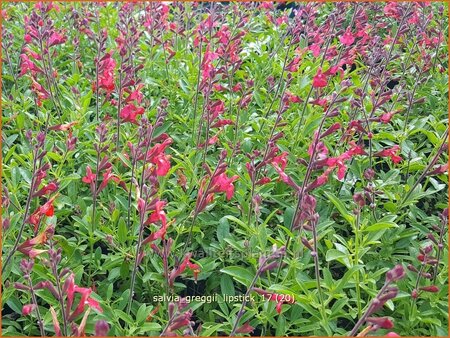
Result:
<point x="242" y="275"/>
<point x="341" y="208"/>
<point x="380" y="226"/>
<point x="142" y="313"/>
<point x="334" y="254"/>
<point x="226" y="285"/>
<point x="122" y="231"/>
<point x="223" y="229"/>
<point x="146" y="327"/>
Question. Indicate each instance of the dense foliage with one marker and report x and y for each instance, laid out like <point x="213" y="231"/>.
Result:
<point x="224" y="169"/>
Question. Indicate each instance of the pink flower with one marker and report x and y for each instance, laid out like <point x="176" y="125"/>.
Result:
<point x="392" y="153"/>
<point x="315" y="49"/>
<point x="71" y="288"/>
<point x="220" y="123"/>
<point x="386" y="118"/>
<point x="347" y="38"/>
<point x="107" y="176"/>
<point x="246" y="328"/>
<point x="90" y="177"/>
<point x="392" y="334"/>
<point x="28" y="308"/>
<point x="319" y="80"/>
<point x="382" y="322"/>
<point x="130" y="112"/>
<point x="281" y="160"/>
<point x="135" y="95"/>
<point x="106" y="76"/>
<point x="339" y="163"/>
<point x="162" y="164"/>
<point x="222" y="183"/>
<point x="158" y="214"/>
<point x="56" y="39"/>
<point x="63" y="127"/>
<point x="391" y="10"/>
<point x="27" y="65"/>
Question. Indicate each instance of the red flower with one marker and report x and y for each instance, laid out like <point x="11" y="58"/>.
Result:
<point x="221" y="123"/>
<point x="338" y="162"/>
<point x="392" y="153"/>
<point x="47" y="209"/>
<point x="71" y="288"/>
<point x="130" y="112"/>
<point x="186" y="263"/>
<point x="355" y="150"/>
<point x="107" y="176"/>
<point x="135" y="95"/>
<point x="49" y="188"/>
<point x="263" y="181"/>
<point x="210" y="141"/>
<point x="158" y="214"/>
<point x="222" y="183"/>
<point x="28" y="247"/>
<point x="347" y="38"/>
<point x="431" y="288"/>
<point x="280" y="299"/>
<point x="40" y="91"/>
<point x="391" y="10"/>
<point x="106" y="76"/>
<point x="90" y="177"/>
<point x="162" y="164"/>
<point x="319" y="80"/>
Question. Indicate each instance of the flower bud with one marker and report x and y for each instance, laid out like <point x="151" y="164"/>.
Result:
<point x="431" y="288"/>
<point x="395" y="274"/>
<point x="101" y="328"/>
<point x="382" y="322"/>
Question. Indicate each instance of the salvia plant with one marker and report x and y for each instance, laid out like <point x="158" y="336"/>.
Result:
<point x="224" y="168"/>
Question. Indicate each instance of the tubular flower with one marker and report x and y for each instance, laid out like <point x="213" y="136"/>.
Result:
<point x="319" y="80"/>
<point x="46" y="209"/>
<point x="347" y="38"/>
<point x="186" y="263"/>
<point x="392" y="153"/>
<point x="222" y="183"/>
<point x="28" y="247"/>
<point x="70" y="288"/>
<point x="280" y="299"/>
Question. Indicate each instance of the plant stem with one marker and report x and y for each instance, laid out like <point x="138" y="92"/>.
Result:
<point x="439" y="251"/>
<point x="25" y="217"/>
<point x="38" y="313"/>
<point x="136" y="262"/>
<point x="119" y="104"/>
<point x="427" y="169"/>
<point x="247" y="293"/>
<point x="317" y="271"/>
<point x="366" y="314"/>
<point x="358" y="287"/>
